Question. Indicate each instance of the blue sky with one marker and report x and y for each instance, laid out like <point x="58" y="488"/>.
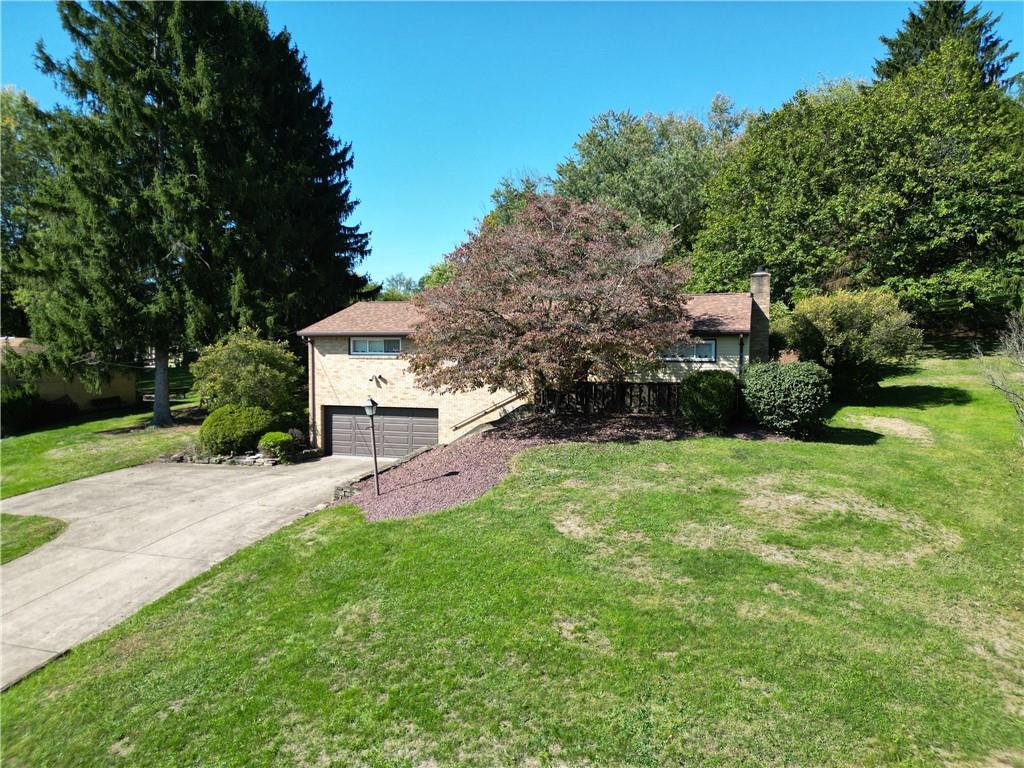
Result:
<point x="442" y="100"/>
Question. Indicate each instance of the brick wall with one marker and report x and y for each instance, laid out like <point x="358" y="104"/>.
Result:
<point x="338" y="378"/>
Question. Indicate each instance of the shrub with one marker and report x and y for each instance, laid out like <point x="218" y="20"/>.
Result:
<point x="234" y="429"/>
<point x="787" y="397"/>
<point x="280" y="445"/>
<point x="243" y="369"/>
<point x="856" y="336"/>
<point x="707" y="400"/>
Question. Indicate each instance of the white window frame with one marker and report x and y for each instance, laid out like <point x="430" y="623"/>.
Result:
<point x="352" y="346"/>
<point x="674" y="355"/>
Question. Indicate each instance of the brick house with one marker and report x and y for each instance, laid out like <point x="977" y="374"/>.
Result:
<point x="354" y="354"/>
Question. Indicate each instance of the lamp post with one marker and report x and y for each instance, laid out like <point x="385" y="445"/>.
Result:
<point x="371" y="408"/>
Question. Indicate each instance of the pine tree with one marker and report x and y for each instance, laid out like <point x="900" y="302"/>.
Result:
<point x="932" y="22"/>
<point x="198" y="189"/>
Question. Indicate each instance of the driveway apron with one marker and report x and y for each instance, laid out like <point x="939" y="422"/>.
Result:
<point x="134" y="535"/>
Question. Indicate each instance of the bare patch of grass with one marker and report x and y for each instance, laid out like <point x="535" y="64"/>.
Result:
<point x="772" y="510"/>
<point x="583" y="633"/>
<point x="894" y="427"/>
<point x="575" y="527"/>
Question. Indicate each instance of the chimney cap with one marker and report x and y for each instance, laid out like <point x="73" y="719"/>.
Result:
<point x="761" y="271"/>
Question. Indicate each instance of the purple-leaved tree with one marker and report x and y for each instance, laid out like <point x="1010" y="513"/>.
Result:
<point x="566" y="292"/>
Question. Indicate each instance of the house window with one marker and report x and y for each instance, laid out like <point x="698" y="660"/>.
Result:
<point x="369" y="345"/>
<point x="704" y="351"/>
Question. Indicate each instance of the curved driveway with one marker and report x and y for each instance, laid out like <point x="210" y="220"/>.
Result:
<point x="134" y="535"/>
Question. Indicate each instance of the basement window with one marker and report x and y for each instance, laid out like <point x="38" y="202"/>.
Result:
<point x="701" y="352"/>
<point x="374" y="345"/>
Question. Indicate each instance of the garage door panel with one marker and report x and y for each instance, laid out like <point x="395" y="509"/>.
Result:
<point x="399" y="430"/>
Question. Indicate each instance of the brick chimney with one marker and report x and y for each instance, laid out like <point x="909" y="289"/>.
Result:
<point x="761" y="291"/>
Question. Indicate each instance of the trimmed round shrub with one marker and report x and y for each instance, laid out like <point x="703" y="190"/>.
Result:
<point x="707" y="400"/>
<point x="233" y="429"/>
<point x="280" y="445"/>
<point x="789" y="398"/>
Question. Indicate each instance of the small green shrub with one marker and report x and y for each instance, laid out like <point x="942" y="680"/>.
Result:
<point x="789" y="398"/>
<point x="233" y="429"/>
<point x="280" y="445"/>
<point x="857" y="337"/>
<point x="707" y="400"/>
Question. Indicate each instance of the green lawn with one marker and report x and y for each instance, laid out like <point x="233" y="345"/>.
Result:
<point x="88" y="447"/>
<point x="20" y="534"/>
<point x="855" y="601"/>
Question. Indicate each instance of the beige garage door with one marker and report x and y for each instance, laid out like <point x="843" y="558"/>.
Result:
<point x="400" y="431"/>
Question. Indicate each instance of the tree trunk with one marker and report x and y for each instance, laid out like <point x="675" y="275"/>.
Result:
<point x="161" y="391"/>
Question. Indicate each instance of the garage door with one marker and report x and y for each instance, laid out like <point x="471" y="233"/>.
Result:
<point x="400" y="431"/>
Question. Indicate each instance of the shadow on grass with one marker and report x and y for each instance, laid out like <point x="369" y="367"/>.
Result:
<point x="845" y="436"/>
<point x="919" y="396"/>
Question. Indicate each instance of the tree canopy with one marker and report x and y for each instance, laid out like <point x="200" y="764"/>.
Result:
<point x="198" y="188"/>
<point x="915" y="183"/>
<point x="653" y="168"/>
<point x="931" y="23"/>
<point x="566" y="291"/>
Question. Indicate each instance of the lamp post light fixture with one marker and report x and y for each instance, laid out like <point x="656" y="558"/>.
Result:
<point x="371" y="409"/>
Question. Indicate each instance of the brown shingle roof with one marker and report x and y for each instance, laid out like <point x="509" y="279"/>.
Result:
<point x="369" y="318"/>
<point x="713" y="313"/>
<point x="718" y="313"/>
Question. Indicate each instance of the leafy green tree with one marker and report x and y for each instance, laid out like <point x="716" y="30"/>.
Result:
<point x="652" y="168"/>
<point x="932" y="22"/>
<point x="197" y="188"/>
<point x="24" y="161"/>
<point x="244" y="369"/>
<point x="438" y="274"/>
<point x="915" y="183"/>
<point x="511" y="196"/>
<point x="398" y="287"/>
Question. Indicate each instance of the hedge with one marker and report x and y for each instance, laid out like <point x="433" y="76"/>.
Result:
<point x="707" y="400"/>
<point x="789" y="398"/>
<point x="280" y="445"/>
<point x="234" y="429"/>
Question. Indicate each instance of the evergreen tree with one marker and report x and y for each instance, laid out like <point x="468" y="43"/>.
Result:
<point x="24" y="162"/>
<point x="198" y="189"/>
<point x="932" y="22"/>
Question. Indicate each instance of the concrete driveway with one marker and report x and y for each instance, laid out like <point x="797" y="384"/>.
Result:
<point x="136" y="534"/>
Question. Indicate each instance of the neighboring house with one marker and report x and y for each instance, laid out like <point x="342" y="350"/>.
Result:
<point x="354" y="355"/>
<point x="119" y="390"/>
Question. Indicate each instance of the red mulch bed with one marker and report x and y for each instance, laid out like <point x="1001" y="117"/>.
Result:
<point x="456" y="473"/>
<point x="462" y="471"/>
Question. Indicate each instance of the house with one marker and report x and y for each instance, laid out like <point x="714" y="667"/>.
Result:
<point x="119" y="389"/>
<point x="355" y="354"/>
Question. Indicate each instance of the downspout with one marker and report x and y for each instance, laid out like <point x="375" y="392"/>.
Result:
<point x="739" y="404"/>
<point x="314" y="438"/>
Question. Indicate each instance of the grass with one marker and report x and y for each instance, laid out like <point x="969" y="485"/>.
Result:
<point x="179" y="379"/>
<point x="853" y="601"/>
<point x="84" y="448"/>
<point x="20" y="534"/>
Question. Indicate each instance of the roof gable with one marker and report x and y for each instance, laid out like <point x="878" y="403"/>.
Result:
<point x="370" y="318"/>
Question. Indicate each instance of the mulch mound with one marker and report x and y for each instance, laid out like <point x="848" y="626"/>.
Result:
<point x="456" y="473"/>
